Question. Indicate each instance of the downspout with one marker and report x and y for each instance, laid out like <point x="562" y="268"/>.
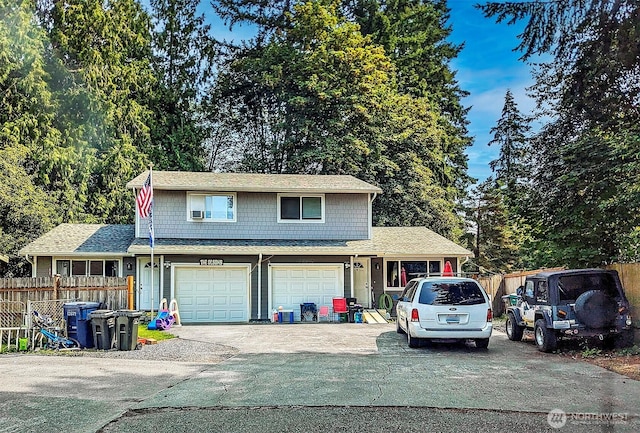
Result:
<point x="351" y="273"/>
<point x="33" y="265"/>
<point x="370" y="216"/>
<point x="259" y="286"/>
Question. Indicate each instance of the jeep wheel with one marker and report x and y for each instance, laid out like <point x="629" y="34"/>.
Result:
<point x="624" y="339"/>
<point x="546" y="339"/>
<point x="514" y="331"/>
<point x="595" y="309"/>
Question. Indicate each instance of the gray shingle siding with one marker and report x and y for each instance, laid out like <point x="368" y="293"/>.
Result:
<point x="346" y="217"/>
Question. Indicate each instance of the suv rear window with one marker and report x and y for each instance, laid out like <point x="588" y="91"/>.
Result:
<point x="455" y="293"/>
<point x="570" y="287"/>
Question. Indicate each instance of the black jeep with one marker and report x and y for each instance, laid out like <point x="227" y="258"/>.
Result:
<point x="571" y="304"/>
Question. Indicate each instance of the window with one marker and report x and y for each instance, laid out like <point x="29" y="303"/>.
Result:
<point x="83" y="268"/>
<point x="463" y="293"/>
<point x="542" y="296"/>
<point x="78" y="268"/>
<point x="401" y="271"/>
<point x="409" y="291"/>
<point x="300" y="208"/>
<point x="571" y="287"/>
<point x="110" y="268"/>
<point x="212" y="207"/>
<point x="96" y="268"/>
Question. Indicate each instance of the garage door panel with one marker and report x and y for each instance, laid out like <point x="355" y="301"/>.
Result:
<point x="295" y="285"/>
<point x="212" y="294"/>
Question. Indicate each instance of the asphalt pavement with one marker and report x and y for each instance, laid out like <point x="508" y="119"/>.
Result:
<point x="314" y="377"/>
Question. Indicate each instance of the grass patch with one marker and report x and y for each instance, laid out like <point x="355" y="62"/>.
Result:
<point x="157" y="335"/>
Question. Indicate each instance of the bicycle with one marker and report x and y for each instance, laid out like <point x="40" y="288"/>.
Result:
<point x="54" y="341"/>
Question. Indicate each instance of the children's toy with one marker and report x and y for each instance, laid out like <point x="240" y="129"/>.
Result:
<point x="164" y="319"/>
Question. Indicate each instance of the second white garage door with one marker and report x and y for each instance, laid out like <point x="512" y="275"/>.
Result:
<point x="294" y="285"/>
<point x="212" y="294"/>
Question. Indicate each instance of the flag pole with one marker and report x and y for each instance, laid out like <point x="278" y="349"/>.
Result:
<point x="151" y="236"/>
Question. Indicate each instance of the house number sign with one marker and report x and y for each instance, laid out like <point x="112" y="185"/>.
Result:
<point x="211" y="262"/>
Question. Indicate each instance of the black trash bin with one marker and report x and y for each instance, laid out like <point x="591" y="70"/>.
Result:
<point x="76" y="315"/>
<point x="127" y="329"/>
<point x="102" y="324"/>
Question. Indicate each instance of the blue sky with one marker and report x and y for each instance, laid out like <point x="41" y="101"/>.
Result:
<point x="486" y="67"/>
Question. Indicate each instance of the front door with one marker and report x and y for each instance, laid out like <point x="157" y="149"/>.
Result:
<point x="145" y="297"/>
<point x="361" y="281"/>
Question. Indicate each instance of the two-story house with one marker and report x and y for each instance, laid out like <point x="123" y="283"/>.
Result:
<point x="233" y="247"/>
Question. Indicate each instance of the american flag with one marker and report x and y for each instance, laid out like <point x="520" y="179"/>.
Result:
<point x="145" y="198"/>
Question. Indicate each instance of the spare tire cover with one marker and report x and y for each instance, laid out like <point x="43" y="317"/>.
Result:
<point x="596" y="309"/>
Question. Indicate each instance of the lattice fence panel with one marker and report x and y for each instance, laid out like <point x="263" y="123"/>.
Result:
<point x="52" y="310"/>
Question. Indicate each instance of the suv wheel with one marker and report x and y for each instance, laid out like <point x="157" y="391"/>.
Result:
<point x="514" y="331"/>
<point x="413" y="342"/>
<point x="482" y="343"/>
<point x="546" y="339"/>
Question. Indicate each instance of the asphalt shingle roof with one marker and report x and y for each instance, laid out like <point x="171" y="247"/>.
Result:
<point x="100" y="239"/>
<point x="254" y="182"/>
<point x="389" y="241"/>
<point x="83" y="240"/>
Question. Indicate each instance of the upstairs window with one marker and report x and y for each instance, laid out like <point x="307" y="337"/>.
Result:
<point x="212" y="207"/>
<point x="300" y="208"/>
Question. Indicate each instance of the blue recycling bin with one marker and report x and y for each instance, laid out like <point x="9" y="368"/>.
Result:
<point x="76" y="316"/>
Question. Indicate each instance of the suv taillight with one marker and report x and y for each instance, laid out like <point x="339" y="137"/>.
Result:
<point x="414" y="315"/>
<point x="489" y="315"/>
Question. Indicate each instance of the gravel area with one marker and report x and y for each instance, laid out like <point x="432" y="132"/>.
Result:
<point x="175" y="349"/>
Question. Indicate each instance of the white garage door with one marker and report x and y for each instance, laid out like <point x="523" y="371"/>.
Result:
<point x="295" y="285"/>
<point x="212" y="294"/>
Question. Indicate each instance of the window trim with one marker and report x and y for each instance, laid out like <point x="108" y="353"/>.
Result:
<point x="301" y="220"/>
<point x="190" y="207"/>
<point x="87" y="261"/>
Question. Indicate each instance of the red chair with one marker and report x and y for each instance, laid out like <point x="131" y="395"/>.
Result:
<point x="324" y="312"/>
<point x="340" y="306"/>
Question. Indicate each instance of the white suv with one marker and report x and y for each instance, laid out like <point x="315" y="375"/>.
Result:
<point x="444" y="309"/>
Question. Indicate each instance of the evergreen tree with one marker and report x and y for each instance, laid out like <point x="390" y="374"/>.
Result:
<point x="183" y="60"/>
<point x="98" y="60"/>
<point x="510" y="133"/>
<point x="27" y="112"/>
<point x="497" y="240"/>
<point x="318" y="97"/>
<point x="587" y="205"/>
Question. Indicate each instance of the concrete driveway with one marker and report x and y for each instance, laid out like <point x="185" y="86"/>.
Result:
<point x="315" y="377"/>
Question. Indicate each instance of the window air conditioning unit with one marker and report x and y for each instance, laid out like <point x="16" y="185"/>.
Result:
<point x="197" y="214"/>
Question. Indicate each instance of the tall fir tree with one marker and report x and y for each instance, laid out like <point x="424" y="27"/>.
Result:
<point x="183" y="56"/>
<point x="511" y="135"/>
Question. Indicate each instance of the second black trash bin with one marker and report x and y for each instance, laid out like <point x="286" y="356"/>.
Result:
<point x="127" y="329"/>
<point x="102" y="324"/>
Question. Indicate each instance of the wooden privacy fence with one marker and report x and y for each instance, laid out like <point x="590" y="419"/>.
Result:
<point x="19" y="297"/>
<point x="111" y="291"/>
<point x="499" y="285"/>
